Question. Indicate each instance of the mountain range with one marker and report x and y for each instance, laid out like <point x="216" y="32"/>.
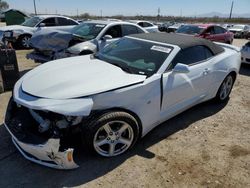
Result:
<point x="223" y="15"/>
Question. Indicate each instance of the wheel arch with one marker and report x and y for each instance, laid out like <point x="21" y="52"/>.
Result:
<point x="233" y="73"/>
<point x="115" y="109"/>
<point x="24" y="34"/>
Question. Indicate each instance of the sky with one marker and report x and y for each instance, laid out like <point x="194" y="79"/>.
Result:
<point x="132" y="7"/>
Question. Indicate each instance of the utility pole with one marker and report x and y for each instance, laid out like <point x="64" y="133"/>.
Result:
<point x="158" y="15"/>
<point x="34" y="1"/>
<point x="101" y="13"/>
<point x="231" y="11"/>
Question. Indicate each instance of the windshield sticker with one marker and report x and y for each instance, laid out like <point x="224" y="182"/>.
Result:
<point x="100" y="25"/>
<point x="161" y="49"/>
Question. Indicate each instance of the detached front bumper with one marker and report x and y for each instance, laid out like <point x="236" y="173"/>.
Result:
<point x="34" y="146"/>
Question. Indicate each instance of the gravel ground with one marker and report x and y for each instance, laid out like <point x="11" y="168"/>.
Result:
<point x="206" y="146"/>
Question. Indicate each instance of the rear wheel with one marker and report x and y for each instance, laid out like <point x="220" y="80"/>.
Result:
<point x="225" y="88"/>
<point x="111" y="134"/>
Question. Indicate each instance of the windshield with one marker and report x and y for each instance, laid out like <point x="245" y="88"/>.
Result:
<point x="88" y="30"/>
<point x="32" y="22"/>
<point x="135" y="56"/>
<point x="238" y="27"/>
<point x="190" y="29"/>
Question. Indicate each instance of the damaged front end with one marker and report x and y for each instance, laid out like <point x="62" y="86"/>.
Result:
<point x="40" y="135"/>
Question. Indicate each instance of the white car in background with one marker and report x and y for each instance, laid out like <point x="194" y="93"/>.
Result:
<point x="150" y="27"/>
<point x="116" y="96"/>
<point x="21" y="34"/>
<point x="240" y="31"/>
<point x="86" y="38"/>
<point x="245" y="53"/>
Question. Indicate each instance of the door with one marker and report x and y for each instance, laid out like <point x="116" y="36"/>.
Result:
<point x="220" y="34"/>
<point x="182" y="90"/>
<point x="115" y="32"/>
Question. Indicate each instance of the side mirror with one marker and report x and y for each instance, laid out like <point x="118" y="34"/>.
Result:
<point x="107" y="37"/>
<point x="181" y="68"/>
<point x="41" y="25"/>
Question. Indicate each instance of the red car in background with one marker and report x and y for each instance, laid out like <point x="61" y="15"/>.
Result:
<point x="208" y="31"/>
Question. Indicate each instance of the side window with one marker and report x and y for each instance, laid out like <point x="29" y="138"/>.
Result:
<point x="129" y="30"/>
<point x="210" y="30"/>
<point x="219" y="30"/>
<point x="65" y="22"/>
<point x="192" y="55"/>
<point x="49" y="22"/>
<point x="140" y="24"/>
<point x="146" y="24"/>
<point x="114" y="31"/>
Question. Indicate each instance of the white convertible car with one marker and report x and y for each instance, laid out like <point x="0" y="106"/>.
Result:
<point x="117" y="95"/>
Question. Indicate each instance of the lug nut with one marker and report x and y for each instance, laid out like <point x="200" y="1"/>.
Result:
<point x="108" y="138"/>
<point x="111" y="133"/>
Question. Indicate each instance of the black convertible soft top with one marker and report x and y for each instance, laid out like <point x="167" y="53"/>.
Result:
<point x="183" y="41"/>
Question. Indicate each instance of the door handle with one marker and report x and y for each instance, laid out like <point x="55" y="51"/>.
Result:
<point x="206" y="71"/>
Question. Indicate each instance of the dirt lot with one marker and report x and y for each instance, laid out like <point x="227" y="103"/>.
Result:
<point x="206" y="146"/>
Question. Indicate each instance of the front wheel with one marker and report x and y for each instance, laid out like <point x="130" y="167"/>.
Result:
<point x="23" y="42"/>
<point x="225" y="88"/>
<point x="111" y="134"/>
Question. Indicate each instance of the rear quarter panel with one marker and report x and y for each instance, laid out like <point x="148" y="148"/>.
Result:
<point x="225" y="63"/>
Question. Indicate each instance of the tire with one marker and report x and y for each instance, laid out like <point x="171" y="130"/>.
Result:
<point x="111" y="134"/>
<point x="225" y="88"/>
<point x="23" y="42"/>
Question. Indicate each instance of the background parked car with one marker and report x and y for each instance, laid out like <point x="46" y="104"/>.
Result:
<point x="173" y="28"/>
<point x="248" y="34"/>
<point x="150" y="27"/>
<point x="20" y="35"/>
<point x="245" y="53"/>
<point x="227" y="26"/>
<point x="208" y="31"/>
<point x="164" y="27"/>
<point x="240" y="31"/>
<point x="85" y="38"/>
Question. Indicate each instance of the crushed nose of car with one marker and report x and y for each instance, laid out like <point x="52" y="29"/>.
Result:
<point x="38" y="148"/>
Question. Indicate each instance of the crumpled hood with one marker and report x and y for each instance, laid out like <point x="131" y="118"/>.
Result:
<point x="17" y="28"/>
<point x="76" y="77"/>
<point x="48" y="40"/>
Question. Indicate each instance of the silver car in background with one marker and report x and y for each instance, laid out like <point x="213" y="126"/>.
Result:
<point x="86" y="38"/>
<point x="20" y="35"/>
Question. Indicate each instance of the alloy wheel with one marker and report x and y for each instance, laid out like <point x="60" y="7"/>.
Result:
<point x="226" y="87"/>
<point x="113" y="138"/>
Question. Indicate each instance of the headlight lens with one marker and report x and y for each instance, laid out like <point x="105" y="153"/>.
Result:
<point x="8" y="34"/>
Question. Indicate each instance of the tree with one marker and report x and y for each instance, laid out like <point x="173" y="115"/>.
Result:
<point x="3" y="5"/>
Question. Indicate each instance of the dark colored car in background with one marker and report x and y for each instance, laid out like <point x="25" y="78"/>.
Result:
<point x="208" y="31"/>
